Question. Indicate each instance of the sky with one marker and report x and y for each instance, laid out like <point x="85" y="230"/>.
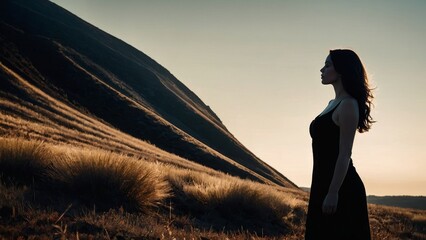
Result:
<point x="257" y="65"/>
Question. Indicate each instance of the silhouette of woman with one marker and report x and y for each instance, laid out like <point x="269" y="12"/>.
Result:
<point x="337" y="204"/>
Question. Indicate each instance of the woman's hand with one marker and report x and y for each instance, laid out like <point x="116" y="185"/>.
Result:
<point x="329" y="206"/>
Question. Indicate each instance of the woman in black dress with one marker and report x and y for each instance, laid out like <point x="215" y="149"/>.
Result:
<point x="337" y="204"/>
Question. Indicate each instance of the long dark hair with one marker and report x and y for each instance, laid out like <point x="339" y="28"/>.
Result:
<point x="355" y="81"/>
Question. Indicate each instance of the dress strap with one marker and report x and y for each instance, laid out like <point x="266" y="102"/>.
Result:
<point x="334" y="108"/>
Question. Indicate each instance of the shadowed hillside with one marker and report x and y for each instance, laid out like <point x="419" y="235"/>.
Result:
<point x="64" y="80"/>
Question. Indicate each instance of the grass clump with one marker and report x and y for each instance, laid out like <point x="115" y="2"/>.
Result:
<point x="235" y="203"/>
<point x="88" y="177"/>
<point x="22" y="162"/>
<point x="108" y="180"/>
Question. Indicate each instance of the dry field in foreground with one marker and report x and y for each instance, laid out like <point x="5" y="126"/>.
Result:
<point x="63" y="192"/>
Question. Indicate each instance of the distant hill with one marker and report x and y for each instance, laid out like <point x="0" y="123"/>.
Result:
<point x="415" y="202"/>
<point x="62" y="78"/>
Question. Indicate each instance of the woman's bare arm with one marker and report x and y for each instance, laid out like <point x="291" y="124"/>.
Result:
<point x="347" y="119"/>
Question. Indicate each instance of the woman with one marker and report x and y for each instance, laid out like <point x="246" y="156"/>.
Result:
<point x="337" y="204"/>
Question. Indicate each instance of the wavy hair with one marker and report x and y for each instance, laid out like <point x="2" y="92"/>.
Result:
<point x="355" y="81"/>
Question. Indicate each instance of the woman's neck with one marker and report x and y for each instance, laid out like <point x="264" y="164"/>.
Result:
<point x="339" y="91"/>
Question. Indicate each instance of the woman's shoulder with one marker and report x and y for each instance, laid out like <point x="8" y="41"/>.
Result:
<point x="348" y="105"/>
<point x="349" y="100"/>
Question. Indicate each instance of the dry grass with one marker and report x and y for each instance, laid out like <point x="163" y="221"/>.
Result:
<point x="62" y="192"/>
<point x="92" y="134"/>
<point x="224" y="204"/>
<point x="397" y="223"/>
<point x="111" y="179"/>
<point x="234" y="203"/>
<point x="22" y="161"/>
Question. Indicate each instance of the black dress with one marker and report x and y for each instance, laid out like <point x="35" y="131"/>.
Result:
<point x="351" y="218"/>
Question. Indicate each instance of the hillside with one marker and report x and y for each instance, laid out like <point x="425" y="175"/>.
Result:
<point x="413" y="202"/>
<point x="58" y="71"/>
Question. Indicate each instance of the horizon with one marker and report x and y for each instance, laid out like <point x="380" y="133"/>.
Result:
<point x="220" y="50"/>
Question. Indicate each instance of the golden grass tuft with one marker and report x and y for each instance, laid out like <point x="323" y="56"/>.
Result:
<point x="233" y="201"/>
<point x="22" y="162"/>
<point x="108" y="180"/>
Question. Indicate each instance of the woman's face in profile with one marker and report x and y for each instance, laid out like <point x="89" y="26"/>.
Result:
<point x="328" y="73"/>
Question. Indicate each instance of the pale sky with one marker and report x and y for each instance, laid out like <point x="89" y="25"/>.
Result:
<point x="256" y="64"/>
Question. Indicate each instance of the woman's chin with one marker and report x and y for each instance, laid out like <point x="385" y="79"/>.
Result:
<point x="324" y="82"/>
